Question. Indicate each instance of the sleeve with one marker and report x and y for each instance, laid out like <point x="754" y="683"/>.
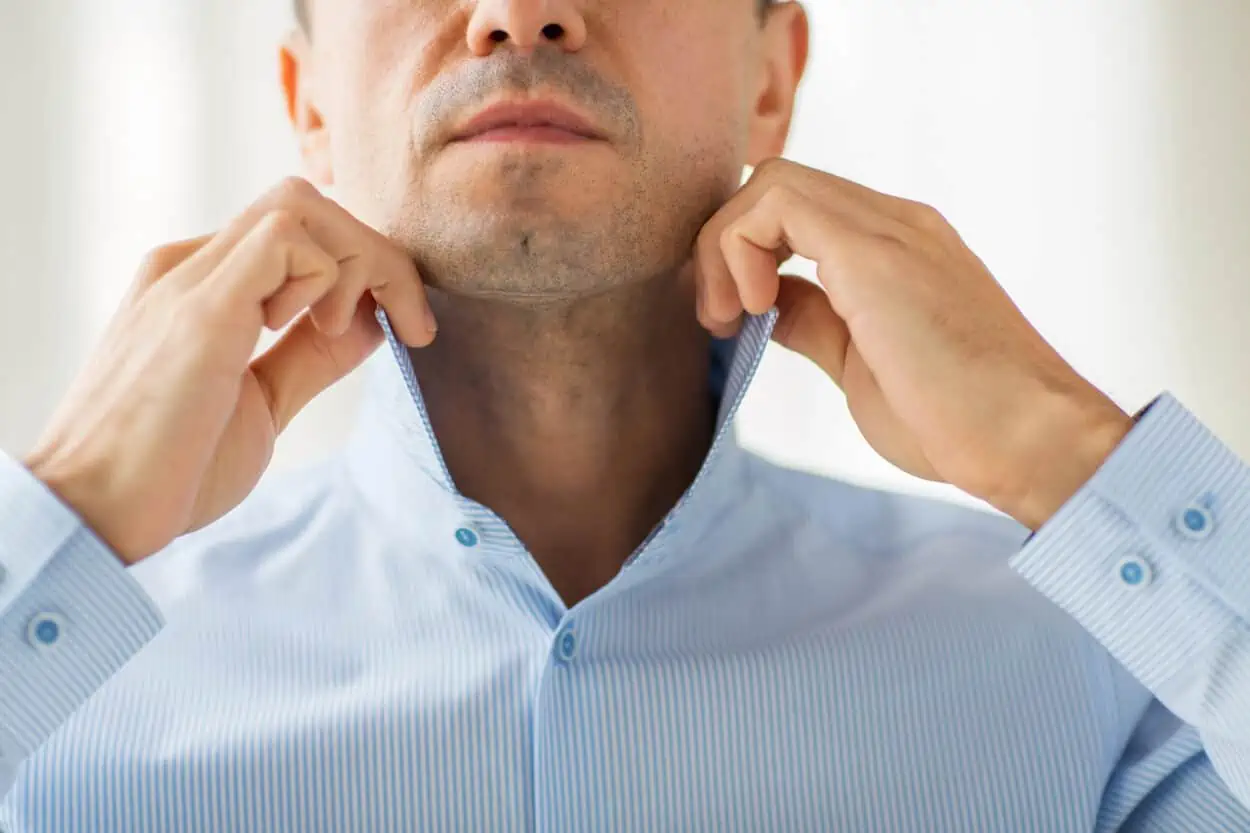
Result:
<point x="70" y="615"/>
<point x="1152" y="557"/>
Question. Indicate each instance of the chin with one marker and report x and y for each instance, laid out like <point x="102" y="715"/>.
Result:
<point x="530" y="252"/>
<point x="536" y="226"/>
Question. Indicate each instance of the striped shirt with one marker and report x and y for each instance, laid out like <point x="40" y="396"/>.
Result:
<point x="359" y="647"/>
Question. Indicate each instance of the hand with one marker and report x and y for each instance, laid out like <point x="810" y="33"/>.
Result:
<point x="942" y="373"/>
<point x="171" y="424"/>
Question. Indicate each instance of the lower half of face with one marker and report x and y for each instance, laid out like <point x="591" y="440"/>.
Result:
<point x="541" y="218"/>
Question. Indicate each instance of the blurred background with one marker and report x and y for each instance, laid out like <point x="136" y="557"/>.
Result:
<point x="1095" y="154"/>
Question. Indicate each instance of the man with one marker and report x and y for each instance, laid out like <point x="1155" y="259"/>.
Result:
<point x="542" y="588"/>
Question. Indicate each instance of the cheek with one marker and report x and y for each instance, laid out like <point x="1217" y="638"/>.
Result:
<point x="691" y="83"/>
<point x="374" y="62"/>
<point x="696" y="134"/>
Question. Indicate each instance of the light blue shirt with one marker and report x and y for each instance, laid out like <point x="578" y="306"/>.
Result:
<point x="358" y="647"/>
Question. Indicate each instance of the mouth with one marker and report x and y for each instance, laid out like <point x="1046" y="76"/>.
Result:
<point x="538" y="121"/>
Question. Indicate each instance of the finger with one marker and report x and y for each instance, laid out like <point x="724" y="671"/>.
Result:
<point x="808" y="325"/>
<point x="367" y="260"/>
<point x="785" y="217"/>
<point x="720" y="307"/>
<point x="400" y="291"/>
<point x="711" y="321"/>
<point x="300" y="292"/>
<point x="875" y="211"/>
<point x="722" y="295"/>
<point x="276" y="251"/>
<point x="162" y="260"/>
<point x="752" y="265"/>
<point x="305" y="360"/>
<point x="293" y="195"/>
<point x="408" y="307"/>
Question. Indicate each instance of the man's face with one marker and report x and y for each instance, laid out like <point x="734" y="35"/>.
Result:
<point x="669" y="90"/>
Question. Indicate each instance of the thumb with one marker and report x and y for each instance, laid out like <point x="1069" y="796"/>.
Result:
<point x="808" y="325"/>
<point x="305" y="361"/>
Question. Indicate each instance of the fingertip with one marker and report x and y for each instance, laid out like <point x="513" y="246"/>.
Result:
<point x="725" y="306"/>
<point x="758" y="305"/>
<point x="726" y="329"/>
<point x="415" y="330"/>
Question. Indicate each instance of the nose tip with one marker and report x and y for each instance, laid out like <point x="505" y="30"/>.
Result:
<point x="525" y="25"/>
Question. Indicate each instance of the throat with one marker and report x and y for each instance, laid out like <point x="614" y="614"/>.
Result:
<point x="580" y="424"/>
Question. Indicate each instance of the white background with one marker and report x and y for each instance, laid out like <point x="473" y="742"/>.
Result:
<point x="1093" y="152"/>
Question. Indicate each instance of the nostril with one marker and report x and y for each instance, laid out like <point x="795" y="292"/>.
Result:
<point x="553" y="31"/>
<point x="499" y="36"/>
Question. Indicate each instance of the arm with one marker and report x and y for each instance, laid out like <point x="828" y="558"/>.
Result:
<point x="949" y="381"/>
<point x="70" y="615"/>
<point x="1152" y="557"/>
<point x="169" y="427"/>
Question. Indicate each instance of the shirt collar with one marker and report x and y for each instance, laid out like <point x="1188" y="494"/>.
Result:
<point x="393" y="456"/>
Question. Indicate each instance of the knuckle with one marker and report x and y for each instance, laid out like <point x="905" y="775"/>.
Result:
<point x="327" y="272"/>
<point x="891" y="255"/>
<point x="291" y="190"/>
<point x="279" y="224"/>
<point x="368" y="265"/>
<point x="779" y="196"/>
<point x="779" y="200"/>
<point x="925" y="216"/>
<point x="709" y="239"/>
<point x="157" y="261"/>
<point x="770" y="167"/>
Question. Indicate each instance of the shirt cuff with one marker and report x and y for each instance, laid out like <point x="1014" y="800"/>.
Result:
<point x="1152" y="557"/>
<point x="70" y="613"/>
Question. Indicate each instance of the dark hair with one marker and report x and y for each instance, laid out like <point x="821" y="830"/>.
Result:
<point x="301" y="11"/>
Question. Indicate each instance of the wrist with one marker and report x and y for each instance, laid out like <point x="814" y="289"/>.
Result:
<point x="1067" y="446"/>
<point x="84" y="490"/>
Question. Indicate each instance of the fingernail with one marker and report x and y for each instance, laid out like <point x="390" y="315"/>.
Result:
<point x="430" y="323"/>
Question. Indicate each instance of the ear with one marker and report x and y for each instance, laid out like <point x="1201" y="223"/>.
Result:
<point x="299" y="90"/>
<point x="782" y="60"/>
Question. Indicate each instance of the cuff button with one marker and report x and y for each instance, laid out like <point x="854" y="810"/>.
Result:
<point x="1134" y="572"/>
<point x="44" y="630"/>
<point x="1195" y="522"/>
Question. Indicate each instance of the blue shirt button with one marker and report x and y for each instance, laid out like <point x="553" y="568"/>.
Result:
<point x="466" y="536"/>
<point x="1195" y="522"/>
<point x="566" y="645"/>
<point x="1134" y="572"/>
<point x="44" y="630"/>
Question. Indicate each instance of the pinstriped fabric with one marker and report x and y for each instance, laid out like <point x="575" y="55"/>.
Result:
<point x="40" y="689"/>
<point x="1190" y="617"/>
<point x="785" y="653"/>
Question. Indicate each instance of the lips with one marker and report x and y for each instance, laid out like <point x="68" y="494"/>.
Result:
<point x="536" y="119"/>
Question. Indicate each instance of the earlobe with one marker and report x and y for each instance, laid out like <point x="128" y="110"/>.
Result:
<point x="315" y="151"/>
<point x="305" y="118"/>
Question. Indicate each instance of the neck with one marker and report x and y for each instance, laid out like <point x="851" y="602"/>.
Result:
<point x="580" y="423"/>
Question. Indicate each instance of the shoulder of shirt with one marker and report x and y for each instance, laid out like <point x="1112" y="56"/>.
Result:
<point x="232" y="550"/>
<point x="879" y="520"/>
